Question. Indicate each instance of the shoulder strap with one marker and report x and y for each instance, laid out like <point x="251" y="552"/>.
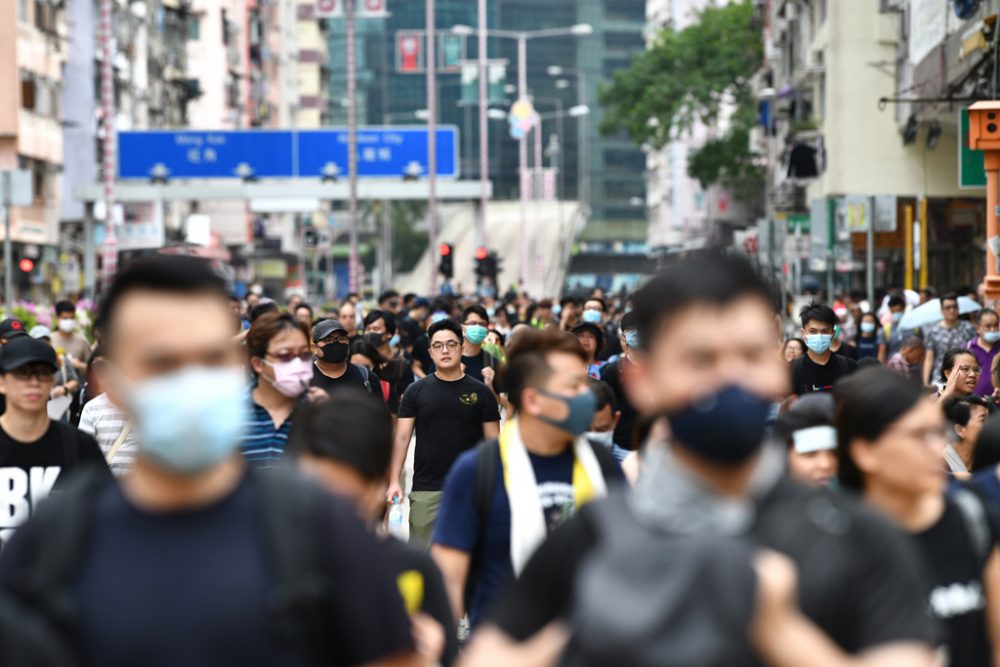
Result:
<point x="290" y="511"/>
<point x="366" y="375"/>
<point x="609" y="466"/>
<point x="119" y="441"/>
<point x="974" y="516"/>
<point x="486" y="467"/>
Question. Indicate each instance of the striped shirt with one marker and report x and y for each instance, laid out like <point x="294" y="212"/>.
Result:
<point x="105" y="422"/>
<point x="262" y="443"/>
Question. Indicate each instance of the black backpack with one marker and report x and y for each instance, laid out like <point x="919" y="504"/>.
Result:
<point x="487" y="457"/>
<point x="286" y="504"/>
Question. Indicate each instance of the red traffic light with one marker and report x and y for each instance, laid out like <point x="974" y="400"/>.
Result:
<point x="481" y="253"/>
<point x="26" y="265"/>
<point x="444" y="249"/>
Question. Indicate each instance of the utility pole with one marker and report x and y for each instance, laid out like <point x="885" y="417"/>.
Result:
<point x="431" y="62"/>
<point x="484" y="138"/>
<point x="108" y="104"/>
<point x="522" y="146"/>
<point x="352" y="147"/>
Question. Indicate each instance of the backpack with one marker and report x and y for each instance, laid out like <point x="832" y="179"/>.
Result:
<point x="285" y="504"/>
<point x="487" y="459"/>
<point x="649" y="597"/>
<point x="366" y="373"/>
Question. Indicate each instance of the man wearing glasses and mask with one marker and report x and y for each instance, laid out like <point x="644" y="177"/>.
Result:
<point x="333" y="371"/>
<point x="451" y="413"/>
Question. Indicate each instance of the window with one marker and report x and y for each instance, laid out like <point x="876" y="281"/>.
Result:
<point x="29" y="91"/>
<point x="194" y="28"/>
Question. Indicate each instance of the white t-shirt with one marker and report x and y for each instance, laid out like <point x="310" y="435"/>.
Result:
<point x="105" y="422"/>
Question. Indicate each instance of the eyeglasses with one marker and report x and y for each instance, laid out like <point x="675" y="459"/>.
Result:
<point x="334" y="339"/>
<point x="438" y="346"/>
<point x="37" y="372"/>
<point x="971" y="370"/>
<point x="285" y="357"/>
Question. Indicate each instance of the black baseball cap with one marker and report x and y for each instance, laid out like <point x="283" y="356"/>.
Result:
<point x="12" y="328"/>
<point x="591" y="328"/>
<point x="24" y="350"/>
<point x="325" y="328"/>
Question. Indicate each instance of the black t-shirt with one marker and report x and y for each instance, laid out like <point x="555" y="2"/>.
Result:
<point x="422" y="353"/>
<point x="474" y="367"/>
<point x="355" y="377"/>
<point x="405" y="562"/>
<point x="809" y="377"/>
<point x="196" y="587"/>
<point x="449" y="420"/>
<point x="859" y="578"/>
<point x="612" y="374"/>
<point x="956" y="594"/>
<point x="399" y="374"/>
<point x="30" y="470"/>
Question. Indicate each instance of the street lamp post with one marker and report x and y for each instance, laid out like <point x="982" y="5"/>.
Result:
<point x="583" y="170"/>
<point x="431" y="67"/>
<point x="352" y="149"/>
<point x="522" y="37"/>
<point x="484" y="143"/>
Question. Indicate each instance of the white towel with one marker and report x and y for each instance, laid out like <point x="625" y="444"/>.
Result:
<point x="527" y="520"/>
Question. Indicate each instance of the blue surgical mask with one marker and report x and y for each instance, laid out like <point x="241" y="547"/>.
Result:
<point x="897" y="317"/>
<point x="190" y="420"/>
<point x="991" y="336"/>
<point x="632" y="339"/>
<point x="581" y="412"/>
<point x="438" y="316"/>
<point x="476" y="333"/>
<point x="491" y="312"/>
<point x="819" y="343"/>
<point x="867" y="327"/>
<point x="725" y="428"/>
<point x="592" y="316"/>
<point x="556" y="309"/>
<point x="394" y="341"/>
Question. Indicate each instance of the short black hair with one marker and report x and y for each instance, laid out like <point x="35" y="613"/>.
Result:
<point x="709" y="277"/>
<point x="896" y="300"/>
<point x="527" y="364"/>
<point x="605" y="395"/>
<point x="986" y="311"/>
<point x="818" y="312"/>
<point x="958" y="409"/>
<point x="306" y="306"/>
<point x="628" y="321"/>
<point x="388" y="294"/>
<point x="385" y="316"/>
<point x="868" y="402"/>
<point x="477" y="310"/>
<point x="261" y="309"/>
<point x="445" y="325"/>
<point x="332" y="433"/>
<point x="568" y="300"/>
<point x="604" y="306"/>
<point x="950" y="296"/>
<point x="65" y="306"/>
<point x="176" y="274"/>
<point x="987" y="451"/>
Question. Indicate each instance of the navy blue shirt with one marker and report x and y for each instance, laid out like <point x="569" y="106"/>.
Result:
<point x="458" y="523"/>
<point x="987" y="482"/>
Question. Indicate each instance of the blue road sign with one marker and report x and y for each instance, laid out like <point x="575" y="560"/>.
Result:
<point x="382" y="152"/>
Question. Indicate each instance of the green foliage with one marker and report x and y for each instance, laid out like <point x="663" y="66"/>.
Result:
<point x="693" y="76"/>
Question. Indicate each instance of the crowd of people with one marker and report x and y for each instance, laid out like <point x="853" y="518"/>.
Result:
<point x="660" y="478"/>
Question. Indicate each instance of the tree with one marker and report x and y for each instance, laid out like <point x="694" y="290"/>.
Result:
<point x="695" y="75"/>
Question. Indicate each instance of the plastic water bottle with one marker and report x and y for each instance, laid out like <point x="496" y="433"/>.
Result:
<point x="396" y="528"/>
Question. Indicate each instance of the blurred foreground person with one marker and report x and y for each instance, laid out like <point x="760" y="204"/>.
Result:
<point x="194" y="559"/>
<point x="966" y="415"/>
<point x="807" y="429"/>
<point x="353" y="462"/>
<point x="891" y="438"/>
<point x="665" y="577"/>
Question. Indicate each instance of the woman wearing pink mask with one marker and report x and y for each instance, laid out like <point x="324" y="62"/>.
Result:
<point x="281" y="361"/>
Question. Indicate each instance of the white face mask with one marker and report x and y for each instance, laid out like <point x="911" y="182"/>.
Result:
<point x="606" y="438"/>
<point x="67" y="326"/>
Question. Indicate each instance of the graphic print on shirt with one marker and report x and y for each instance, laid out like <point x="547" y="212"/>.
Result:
<point x="956" y="599"/>
<point x="20" y="492"/>
<point x="558" y="503"/>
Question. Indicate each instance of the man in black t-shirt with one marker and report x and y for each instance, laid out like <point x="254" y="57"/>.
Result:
<point x="244" y="569"/>
<point x="819" y="368"/>
<point x="860" y="584"/>
<point x="450" y="412"/>
<point x="479" y="364"/>
<point x="614" y="375"/>
<point x="36" y="453"/>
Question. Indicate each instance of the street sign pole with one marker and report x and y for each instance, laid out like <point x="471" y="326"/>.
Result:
<point x="431" y="70"/>
<point x="484" y="139"/>
<point x="8" y="252"/>
<point x="522" y="145"/>
<point x="352" y="149"/>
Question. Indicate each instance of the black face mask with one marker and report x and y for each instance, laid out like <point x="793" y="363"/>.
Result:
<point x="335" y="353"/>
<point x="375" y="339"/>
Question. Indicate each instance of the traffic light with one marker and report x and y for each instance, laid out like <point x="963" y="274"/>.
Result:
<point x="481" y="258"/>
<point x="27" y="265"/>
<point x="445" y="266"/>
<point x="492" y="268"/>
